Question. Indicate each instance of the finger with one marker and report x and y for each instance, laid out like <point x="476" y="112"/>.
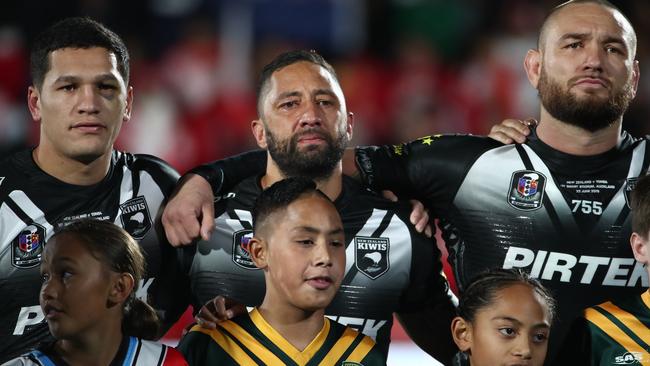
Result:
<point x="501" y="137"/>
<point x="203" y="323"/>
<point x="516" y="125"/>
<point x="513" y="133"/>
<point x="428" y="231"/>
<point x="207" y="220"/>
<point x="417" y="212"/>
<point x="531" y="122"/>
<point x="389" y="195"/>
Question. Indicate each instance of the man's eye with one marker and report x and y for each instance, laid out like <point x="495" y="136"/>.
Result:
<point x="67" y="87"/>
<point x="574" y="45"/>
<point x="306" y="241"/>
<point x="611" y="49"/>
<point x="45" y="277"/>
<point x="107" y="87"/>
<point x="289" y="104"/>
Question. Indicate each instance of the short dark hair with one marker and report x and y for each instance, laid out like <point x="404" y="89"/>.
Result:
<point x="542" y="32"/>
<point x="113" y="246"/>
<point x="641" y="207"/>
<point x="482" y="290"/>
<point x="280" y="195"/>
<point x="77" y="32"/>
<point x="285" y="59"/>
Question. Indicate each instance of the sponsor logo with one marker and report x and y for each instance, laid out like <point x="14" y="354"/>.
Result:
<point x="526" y="190"/>
<point x="371" y="256"/>
<point x="240" y="254"/>
<point x="630" y="183"/>
<point x="27" y="246"/>
<point x="135" y="217"/>
<point x="28" y="317"/>
<point x="369" y="327"/>
<point x="629" y="358"/>
<point x="586" y="269"/>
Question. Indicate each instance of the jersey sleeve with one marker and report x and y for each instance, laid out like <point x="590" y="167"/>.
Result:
<point x="430" y="168"/>
<point x="224" y="174"/>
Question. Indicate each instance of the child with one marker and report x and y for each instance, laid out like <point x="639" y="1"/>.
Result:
<point x="504" y="319"/>
<point x="617" y="332"/>
<point x="299" y="244"/>
<point x="90" y="271"/>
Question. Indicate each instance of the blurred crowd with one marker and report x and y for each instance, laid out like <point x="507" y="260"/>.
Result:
<point x="408" y="67"/>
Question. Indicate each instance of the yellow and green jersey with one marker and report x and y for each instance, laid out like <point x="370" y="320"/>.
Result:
<point x="249" y="340"/>
<point x="612" y="333"/>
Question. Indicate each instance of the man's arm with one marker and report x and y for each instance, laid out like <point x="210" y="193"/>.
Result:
<point x="189" y="214"/>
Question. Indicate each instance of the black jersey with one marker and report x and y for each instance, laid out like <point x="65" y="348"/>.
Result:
<point x="389" y="268"/>
<point x="33" y="204"/>
<point x="563" y="218"/>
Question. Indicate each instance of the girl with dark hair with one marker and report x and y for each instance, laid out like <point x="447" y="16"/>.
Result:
<point x="90" y="272"/>
<point x="504" y="318"/>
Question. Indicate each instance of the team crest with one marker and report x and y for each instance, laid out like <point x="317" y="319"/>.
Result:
<point x="350" y="363"/>
<point x="630" y="184"/>
<point x="135" y="217"/>
<point x="27" y="247"/>
<point x="526" y="190"/>
<point x="371" y="255"/>
<point x="240" y="246"/>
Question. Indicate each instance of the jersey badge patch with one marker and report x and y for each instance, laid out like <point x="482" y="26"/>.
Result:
<point x="630" y="184"/>
<point x="135" y="217"/>
<point x="350" y="363"/>
<point x="371" y="256"/>
<point x="526" y="190"/>
<point x="240" y="254"/>
<point x="27" y="247"/>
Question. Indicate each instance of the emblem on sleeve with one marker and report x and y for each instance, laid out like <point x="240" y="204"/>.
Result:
<point x="27" y="247"/>
<point x="240" y="249"/>
<point x="526" y="190"/>
<point x="371" y="256"/>
<point x="135" y="217"/>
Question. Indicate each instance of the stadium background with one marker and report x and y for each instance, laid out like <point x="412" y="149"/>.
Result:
<point x="408" y="68"/>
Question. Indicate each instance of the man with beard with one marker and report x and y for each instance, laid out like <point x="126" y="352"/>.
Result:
<point x="556" y="206"/>
<point x="304" y="126"/>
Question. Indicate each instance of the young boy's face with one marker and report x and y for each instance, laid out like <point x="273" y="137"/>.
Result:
<point x="305" y="253"/>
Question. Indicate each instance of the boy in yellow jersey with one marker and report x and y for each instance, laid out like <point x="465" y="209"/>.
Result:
<point x="617" y="332"/>
<point x="299" y="243"/>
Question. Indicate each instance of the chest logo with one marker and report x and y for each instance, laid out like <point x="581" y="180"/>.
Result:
<point x="526" y="190"/>
<point x="371" y="256"/>
<point x="27" y="247"/>
<point x="240" y="246"/>
<point x="135" y="217"/>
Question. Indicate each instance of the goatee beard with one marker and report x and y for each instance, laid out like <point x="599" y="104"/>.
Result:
<point x="587" y="113"/>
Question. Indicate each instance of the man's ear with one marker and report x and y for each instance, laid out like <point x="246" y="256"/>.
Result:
<point x="636" y="75"/>
<point x="34" y="103"/>
<point x="258" y="250"/>
<point x="533" y="66"/>
<point x="639" y="248"/>
<point x="349" y="125"/>
<point x="259" y="132"/>
<point x="461" y="331"/>
<point x="129" y="104"/>
<point x="123" y="284"/>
